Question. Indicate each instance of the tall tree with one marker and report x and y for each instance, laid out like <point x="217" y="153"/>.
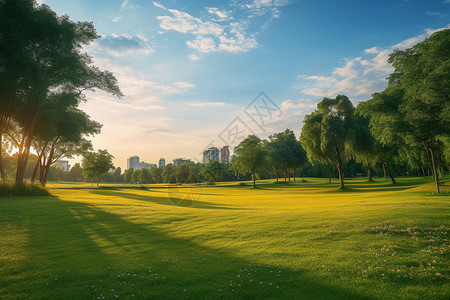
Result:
<point x="249" y="156"/>
<point x="156" y="173"/>
<point x="145" y="176"/>
<point x="95" y="164"/>
<point x="43" y="54"/>
<point x="128" y="174"/>
<point x="182" y="173"/>
<point x="421" y="80"/>
<point x="168" y="173"/>
<point x="328" y="133"/>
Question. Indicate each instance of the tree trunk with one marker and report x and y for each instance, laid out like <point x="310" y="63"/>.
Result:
<point x="276" y="171"/>
<point x="384" y="170"/>
<point x="369" y="174"/>
<point x="36" y="168"/>
<point x="293" y="173"/>
<point x="423" y="170"/>
<point x="2" y="169"/>
<point x="329" y="177"/>
<point x="433" y="166"/>
<point x="390" y="173"/>
<point x="284" y="175"/>
<point x="24" y="150"/>
<point x="339" y="165"/>
<point x="438" y="155"/>
<point x="254" y="178"/>
<point x="289" y="175"/>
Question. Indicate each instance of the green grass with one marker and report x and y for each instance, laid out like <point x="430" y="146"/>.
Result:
<point x="296" y="240"/>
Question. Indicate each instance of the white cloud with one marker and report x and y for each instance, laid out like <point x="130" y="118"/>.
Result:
<point x="203" y="104"/>
<point x="193" y="57"/>
<point x="184" y="85"/>
<point x="305" y="104"/>
<point x="124" y="3"/>
<point x="117" y="18"/>
<point x="220" y="14"/>
<point x="216" y="32"/>
<point x="361" y="76"/>
<point x="122" y="45"/>
<point x="159" y="5"/>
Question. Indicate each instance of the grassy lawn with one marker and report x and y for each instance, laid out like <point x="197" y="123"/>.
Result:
<point x="296" y="240"/>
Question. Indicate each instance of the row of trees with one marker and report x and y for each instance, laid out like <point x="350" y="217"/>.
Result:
<point x="43" y="74"/>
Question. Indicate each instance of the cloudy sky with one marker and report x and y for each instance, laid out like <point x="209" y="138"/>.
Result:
<point x="193" y="71"/>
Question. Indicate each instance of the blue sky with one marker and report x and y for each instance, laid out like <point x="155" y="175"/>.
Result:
<point x="190" y="68"/>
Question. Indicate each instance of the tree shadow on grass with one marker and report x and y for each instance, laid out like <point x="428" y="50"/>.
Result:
<point x="190" y="201"/>
<point x="77" y="250"/>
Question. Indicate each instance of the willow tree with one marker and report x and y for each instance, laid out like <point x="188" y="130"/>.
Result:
<point x="329" y="133"/>
<point x="42" y="53"/>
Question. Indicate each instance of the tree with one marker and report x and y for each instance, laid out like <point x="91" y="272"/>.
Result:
<point x="419" y="94"/>
<point x="75" y="172"/>
<point x="136" y="176"/>
<point x="249" y="156"/>
<point x="329" y="133"/>
<point x="145" y="176"/>
<point x="168" y="173"/>
<point x="118" y="176"/>
<point x="128" y="174"/>
<point x="41" y="54"/>
<point x="156" y="173"/>
<point x="95" y="164"/>
<point x="213" y="170"/>
<point x="182" y="173"/>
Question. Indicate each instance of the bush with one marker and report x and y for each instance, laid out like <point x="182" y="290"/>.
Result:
<point x="242" y="184"/>
<point x="22" y="189"/>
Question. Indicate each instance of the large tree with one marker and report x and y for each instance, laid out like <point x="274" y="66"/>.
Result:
<point x="249" y="156"/>
<point x="329" y="133"/>
<point x="42" y="54"/>
<point x="415" y="107"/>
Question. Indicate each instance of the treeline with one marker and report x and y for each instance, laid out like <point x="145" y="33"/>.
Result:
<point x="43" y="74"/>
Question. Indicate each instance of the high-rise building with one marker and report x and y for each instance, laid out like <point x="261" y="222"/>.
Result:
<point x="225" y="155"/>
<point x="180" y="161"/>
<point x="212" y="153"/>
<point x="133" y="162"/>
<point x="144" y="165"/>
<point x="63" y="165"/>
<point x="162" y="162"/>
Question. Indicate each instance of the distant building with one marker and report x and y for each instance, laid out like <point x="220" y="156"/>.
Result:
<point x="63" y="165"/>
<point x="162" y="162"/>
<point x="180" y="161"/>
<point x="212" y="153"/>
<point x="144" y="165"/>
<point x="133" y="162"/>
<point x="225" y="155"/>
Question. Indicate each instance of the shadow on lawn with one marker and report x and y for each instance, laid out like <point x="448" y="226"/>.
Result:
<point x="76" y="248"/>
<point x="164" y="200"/>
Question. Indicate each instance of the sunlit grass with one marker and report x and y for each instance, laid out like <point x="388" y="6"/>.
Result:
<point x="295" y="240"/>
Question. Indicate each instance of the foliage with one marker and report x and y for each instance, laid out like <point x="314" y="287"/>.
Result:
<point x="330" y="133"/>
<point x="249" y="156"/>
<point x="21" y="189"/>
<point x="95" y="164"/>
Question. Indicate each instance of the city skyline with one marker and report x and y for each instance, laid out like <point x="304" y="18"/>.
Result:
<point x="190" y="69"/>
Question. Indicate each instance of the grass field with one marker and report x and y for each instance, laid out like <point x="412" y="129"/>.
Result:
<point x="297" y="240"/>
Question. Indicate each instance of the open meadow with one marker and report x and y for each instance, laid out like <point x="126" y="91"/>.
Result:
<point x="295" y="240"/>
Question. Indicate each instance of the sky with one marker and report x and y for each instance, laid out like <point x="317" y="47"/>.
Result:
<point x="208" y="73"/>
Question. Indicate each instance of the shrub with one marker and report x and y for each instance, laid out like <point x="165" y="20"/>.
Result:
<point x="242" y="184"/>
<point x="22" y="189"/>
